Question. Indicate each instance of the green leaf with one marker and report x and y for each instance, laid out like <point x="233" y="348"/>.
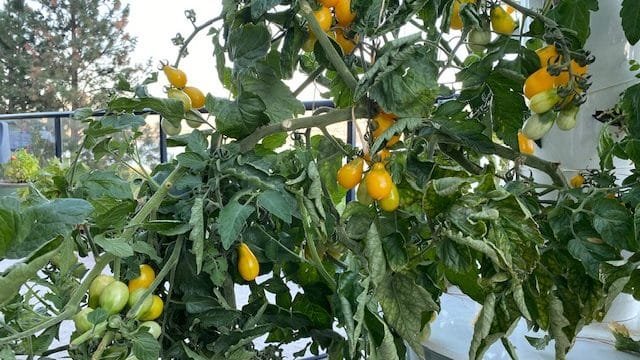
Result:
<point x="606" y="147"/>
<point x="145" y="347"/>
<point x="260" y="7"/>
<point x="248" y="43"/>
<point x="403" y="303"/>
<point x="482" y="327"/>
<point x="116" y="246"/>
<point x="192" y="354"/>
<point x="18" y="274"/>
<point x="631" y="109"/>
<point x="197" y="232"/>
<point x="387" y="349"/>
<point x="448" y="186"/>
<point x="279" y="101"/>
<point x="404" y="83"/>
<point x="375" y="255"/>
<point x="97" y="184"/>
<point x="39" y="224"/>
<point x="229" y="120"/>
<point x="191" y="160"/>
<point x="279" y="204"/>
<point x="574" y="15"/>
<point x="507" y="105"/>
<point x="630" y="14"/>
<point x="320" y="318"/>
<point x="557" y="322"/>
<point x="7" y="354"/>
<point x="145" y="248"/>
<point x="614" y="223"/>
<point x="231" y="221"/>
<point x="274" y="141"/>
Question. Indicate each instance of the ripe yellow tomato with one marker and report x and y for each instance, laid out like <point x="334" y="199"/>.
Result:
<point x="577" y="181"/>
<point x="391" y="201"/>
<point x="175" y="76"/>
<point x="538" y="82"/>
<point x="547" y="55"/>
<point x="310" y="43"/>
<point x="455" y="22"/>
<point x="350" y="173"/>
<point x="502" y="22"/>
<point x="344" y="16"/>
<point x="347" y="45"/>
<point x="196" y="96"/>
<point x="328" y="3"/>
<point x="525" y="145"/>
<point x="382" y="121"/>
<point x="248" y="265"/>
<point x="147" y="275"/>
<point x="324" y="18"/>
<point x="378" y="182"/>
<point x="155" y="310"/>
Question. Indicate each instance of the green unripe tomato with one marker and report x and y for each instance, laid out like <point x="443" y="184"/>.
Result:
<point x="152" y="327"/>
<point x="81" y="322"/>
<point x="169" y="128"/>
<point x="177" y="94"/>
<point x="146" y="304"/>
<point x="97" y="286"/>
<point x="114" y="297"/>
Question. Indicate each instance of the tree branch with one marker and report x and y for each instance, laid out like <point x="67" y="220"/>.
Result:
<point x="332" y="117"/>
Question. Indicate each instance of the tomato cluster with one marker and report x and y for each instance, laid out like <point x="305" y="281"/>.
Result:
<point x="113" y="296"/>
<point x="543" y="89"/>
<point x="339" y="32"/>
<point x="190" y="96"/>
<point x="377" y="184"/>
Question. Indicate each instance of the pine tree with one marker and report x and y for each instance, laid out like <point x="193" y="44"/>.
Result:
<point x="62" y="54"/>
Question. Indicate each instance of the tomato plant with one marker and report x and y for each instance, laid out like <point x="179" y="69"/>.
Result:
<point x="252" y="190"/>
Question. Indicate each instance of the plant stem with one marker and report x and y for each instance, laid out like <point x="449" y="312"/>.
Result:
<point x="310" y="79"/>
<point x="551" y="169"/>
<point x="106" y="340"/>
<point x="334" y="58"/>
<point x="534" y="14"/>
<point x="332" y="117"/>
<point x="70" y="309"/>
<point x="153" y="203"/>
<point x="55" y="350"/>
<point x="195" y="32"/>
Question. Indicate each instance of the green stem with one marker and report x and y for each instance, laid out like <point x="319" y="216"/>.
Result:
<point x="70" y="309"/>
<point x="334" y="58"/>
<point x="534" y="14"/>
<point x="331" y="117"/>
<point x="551" y="169"/>
<point x="153" y="203"/>
<point x="311" y="78"/>
<point x="195" y="32"/>
<point x="168" y="266"/>
<point x="106" y="340"/>
<point x="309" y="230"/>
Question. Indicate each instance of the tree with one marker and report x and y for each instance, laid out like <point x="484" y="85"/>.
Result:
<point x="62" y="55"/>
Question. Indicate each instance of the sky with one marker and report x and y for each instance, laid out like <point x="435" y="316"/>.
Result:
<point x="154" y="25"/>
